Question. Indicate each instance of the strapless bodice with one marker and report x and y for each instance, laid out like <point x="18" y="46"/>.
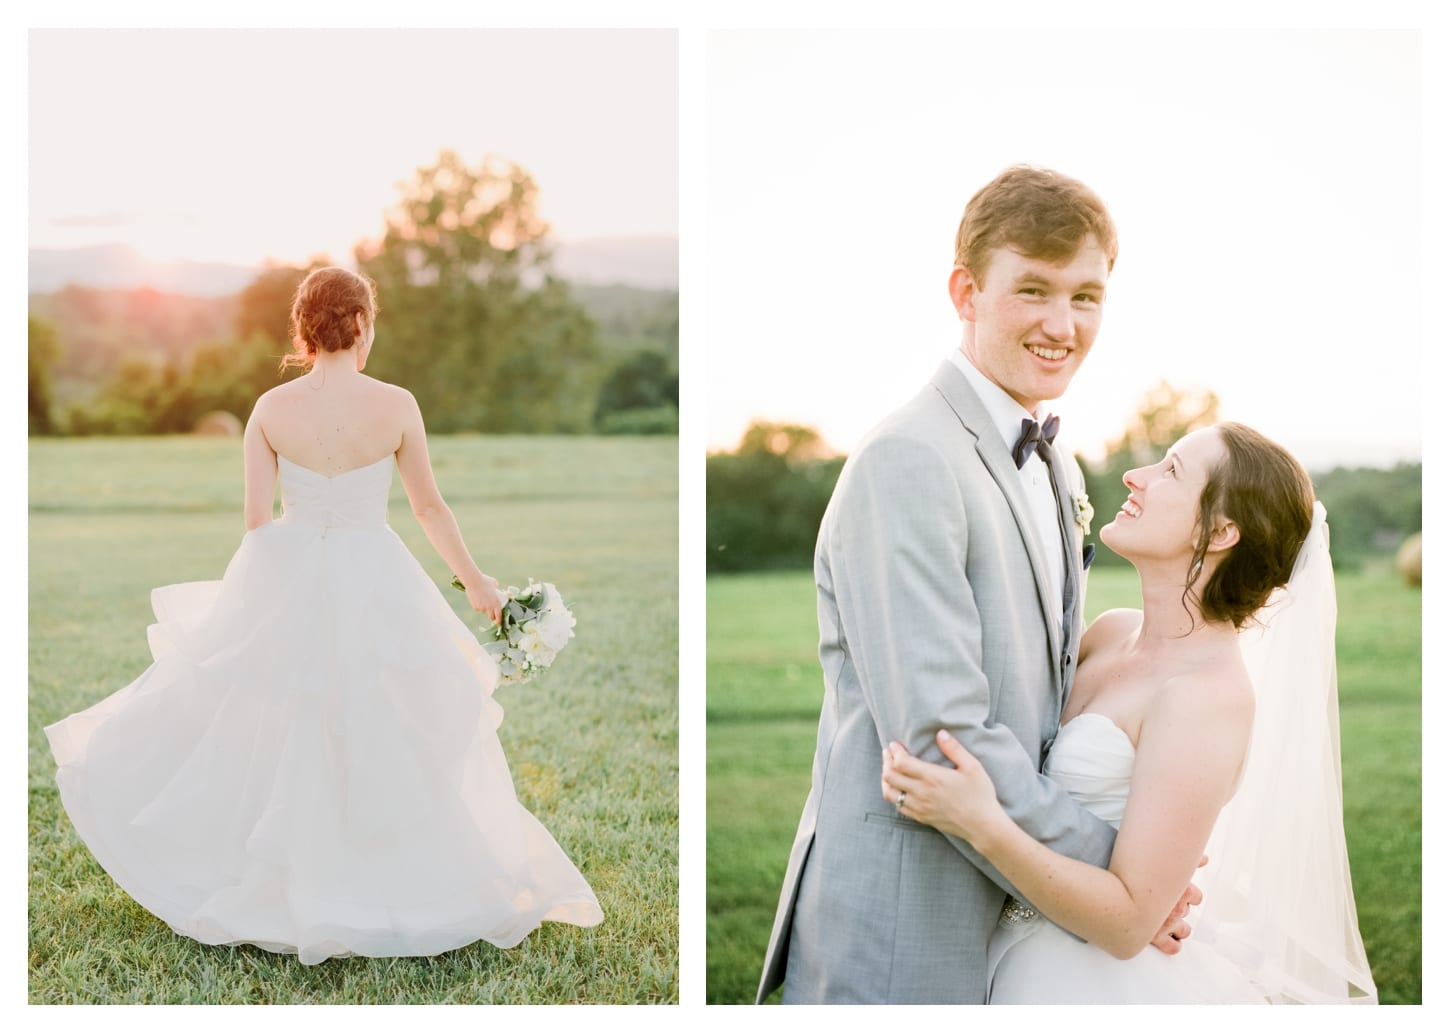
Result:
<point x="356" y="498"/>
<point x="1032" y="961"/>
<point x="1093" y="760"/>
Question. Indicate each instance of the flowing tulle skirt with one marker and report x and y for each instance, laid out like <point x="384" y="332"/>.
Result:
<point x="312" y="765"/>
<point x="1038" y="963"/>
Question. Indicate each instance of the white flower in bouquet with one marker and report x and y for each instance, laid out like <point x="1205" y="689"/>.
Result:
<point x="532" y="643"/>
<point x="555" y="624"/>
<point x="535" y="624"/>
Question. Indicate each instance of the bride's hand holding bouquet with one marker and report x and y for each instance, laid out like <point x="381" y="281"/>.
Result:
<point x="533" y="625"/>
<point x="483" y="594"/>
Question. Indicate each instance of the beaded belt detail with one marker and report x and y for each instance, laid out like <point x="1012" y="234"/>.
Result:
<point x="1015" y="911"/>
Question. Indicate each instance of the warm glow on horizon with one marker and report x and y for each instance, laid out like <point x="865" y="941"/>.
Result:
<point x="241" y="145"/>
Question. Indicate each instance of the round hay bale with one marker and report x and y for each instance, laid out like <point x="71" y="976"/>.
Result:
<point x="220" y="424"/>
<point x="1407" y="560"/>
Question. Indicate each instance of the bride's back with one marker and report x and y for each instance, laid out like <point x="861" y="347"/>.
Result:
<point x="332" y="421"/>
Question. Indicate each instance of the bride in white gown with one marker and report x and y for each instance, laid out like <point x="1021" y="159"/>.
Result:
<point x="311" y="764"/>
<point x="1181" y="727"/>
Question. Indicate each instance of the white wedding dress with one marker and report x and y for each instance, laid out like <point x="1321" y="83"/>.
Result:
<point x="1032" y="961"/>
<point x="311" y="764"/>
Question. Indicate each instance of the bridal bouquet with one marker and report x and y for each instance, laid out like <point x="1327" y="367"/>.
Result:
<point x="534" y="626"/>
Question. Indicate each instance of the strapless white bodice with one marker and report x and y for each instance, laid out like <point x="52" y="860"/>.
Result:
<point x="1093" y="760"/>
<point x="1032" y="961"/>
<point x="356" y="498"/>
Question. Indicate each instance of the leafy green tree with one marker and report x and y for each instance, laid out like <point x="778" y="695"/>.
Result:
<point x="231" y="376"/>
<point x="1371" y="511"/>
<point x="44" y="352"/>
<point x="147" y="396"/>
<point x="473" y="322"/>
<point x="265" y="305"/>
<point x="791" y="441"/>
<point x="764" y="502"/>
<point x="643" y="380"/>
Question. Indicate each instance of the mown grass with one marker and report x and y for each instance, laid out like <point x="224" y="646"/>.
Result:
<point x="593" y="746"/>
<point x="764" y="697"/>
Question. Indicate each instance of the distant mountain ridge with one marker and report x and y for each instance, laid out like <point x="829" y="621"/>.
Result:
<point x="648" y="262"/>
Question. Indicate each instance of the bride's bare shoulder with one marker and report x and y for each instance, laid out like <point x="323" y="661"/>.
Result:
<point x="390" y="392"/>
<point x="1111" y="628"/>
<point x="271" y="399"/>
<point x="1216" y="693"/>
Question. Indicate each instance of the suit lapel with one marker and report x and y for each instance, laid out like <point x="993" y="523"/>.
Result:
<point x="998" y="461"/>
<point x="1067" y="518"/>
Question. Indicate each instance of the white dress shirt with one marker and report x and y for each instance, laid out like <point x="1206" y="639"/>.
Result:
<point x="1007" y="415"/>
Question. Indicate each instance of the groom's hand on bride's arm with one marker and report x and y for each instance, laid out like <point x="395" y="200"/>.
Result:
<point x="1169" y="939"/>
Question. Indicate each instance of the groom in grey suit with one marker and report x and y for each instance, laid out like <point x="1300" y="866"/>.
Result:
<point x="949" y="573"/>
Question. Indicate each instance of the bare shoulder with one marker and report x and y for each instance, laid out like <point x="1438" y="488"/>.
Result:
<point x="1217" y="694"/>
<point x="1111" y="628"/>
<point x="399" y="397"/>
<point x="271" y="400"/>
<point x="273" y="395"/>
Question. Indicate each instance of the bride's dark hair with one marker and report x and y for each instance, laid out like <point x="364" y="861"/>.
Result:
<point x="325" y="310"/>
<point x="1270" y="498"/>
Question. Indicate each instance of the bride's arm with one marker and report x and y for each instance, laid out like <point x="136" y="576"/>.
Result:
<point x="259" y="471"/>
<point x="437" y="520"/>
<point x="1190" y="747"/>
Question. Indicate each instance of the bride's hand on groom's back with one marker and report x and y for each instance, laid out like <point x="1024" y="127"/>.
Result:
<point x="958" y="800"/>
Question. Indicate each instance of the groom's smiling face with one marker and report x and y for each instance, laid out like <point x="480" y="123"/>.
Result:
<point x="1030" y="322"/>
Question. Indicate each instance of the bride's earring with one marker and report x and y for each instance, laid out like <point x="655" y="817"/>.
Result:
<point x="1194" y="571"/>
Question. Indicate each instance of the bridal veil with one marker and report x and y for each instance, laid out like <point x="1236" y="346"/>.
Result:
<point x="1277" y="893"/>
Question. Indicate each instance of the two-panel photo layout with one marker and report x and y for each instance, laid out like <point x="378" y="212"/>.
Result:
<point x="992" y="523"/>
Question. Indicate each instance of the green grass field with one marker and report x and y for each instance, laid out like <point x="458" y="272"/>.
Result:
<point x="764" y="699"/>
<point x="592" y="745"/>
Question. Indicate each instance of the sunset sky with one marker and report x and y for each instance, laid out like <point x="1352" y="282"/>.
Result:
<point x="239" y="145"/>
<point x="1265" y="185"/>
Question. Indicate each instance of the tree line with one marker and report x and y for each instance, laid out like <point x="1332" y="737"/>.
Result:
<point x="765" y="499"/>
<point x="472" y="320"/>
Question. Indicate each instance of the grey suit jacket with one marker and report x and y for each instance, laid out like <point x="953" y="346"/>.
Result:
<point x="934" y="613"/>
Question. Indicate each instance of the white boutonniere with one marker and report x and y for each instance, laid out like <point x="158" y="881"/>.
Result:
<point x="1082" y="511"/>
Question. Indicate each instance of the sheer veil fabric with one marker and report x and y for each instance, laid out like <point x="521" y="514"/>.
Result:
<point x="1277" y="895"/>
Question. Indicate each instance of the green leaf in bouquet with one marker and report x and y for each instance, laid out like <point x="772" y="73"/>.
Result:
<point x="457" y="584"/>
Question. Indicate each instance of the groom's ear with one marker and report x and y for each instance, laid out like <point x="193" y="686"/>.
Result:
<point x="963" y="290"/>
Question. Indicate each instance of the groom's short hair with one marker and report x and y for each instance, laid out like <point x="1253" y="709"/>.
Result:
<point x="1036" y="212"/>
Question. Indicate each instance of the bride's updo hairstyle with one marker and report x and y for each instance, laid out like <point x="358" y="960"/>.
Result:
<point x="1269" y="497"/>
<point x="325" y="310"/>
